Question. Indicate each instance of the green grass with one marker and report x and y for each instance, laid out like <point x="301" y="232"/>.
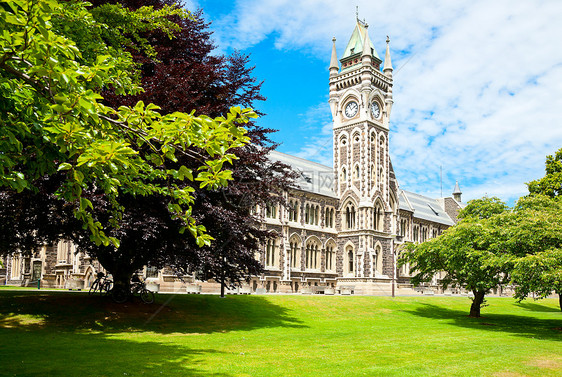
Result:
<point x="61" y="333"/>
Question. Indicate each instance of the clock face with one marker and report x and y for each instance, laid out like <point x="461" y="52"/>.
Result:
<point x="375" y="110"/>
<point x="351" y="109"/>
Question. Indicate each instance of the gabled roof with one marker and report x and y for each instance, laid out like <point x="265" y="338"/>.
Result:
<point x="314" y="177"/>
<point x="357" y="42"/>
<point x="424" y="208"/>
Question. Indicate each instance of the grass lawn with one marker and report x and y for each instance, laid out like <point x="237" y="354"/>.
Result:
<point x="72" y="334"/>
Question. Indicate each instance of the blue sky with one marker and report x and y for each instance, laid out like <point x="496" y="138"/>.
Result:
<point x="477" y="84"/>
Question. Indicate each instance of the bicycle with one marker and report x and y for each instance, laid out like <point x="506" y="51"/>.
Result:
<point x="102" y="284"/>
<point x="120" y="294"/>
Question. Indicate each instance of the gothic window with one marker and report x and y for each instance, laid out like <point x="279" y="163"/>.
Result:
<point x="356" y="137"/>
<point x="306" y="213"/>
<point x="403" y="225"/>
<point x="329" y="217"/>
<point x="350" y="216"/>
<point x="312" y="255"/>
<point x="151" y="272"/>
<point x="416" y="233"/>
<point x="330" y="256"/>
<point x="356" y="172"/>
<point x="343" y="174"/>
<point x="377" y="261"/>
<point x="373" y="138"/>
<point x="271" y="211"/>
<point x="293" y="210"/>
<point x="295" y="252"/>
<point x="350" y="260"/>
<point x="343" y="141"/>
<point x="316" y="215"/>
<point x="378" y="220"/>
<point x="270" y="253"/>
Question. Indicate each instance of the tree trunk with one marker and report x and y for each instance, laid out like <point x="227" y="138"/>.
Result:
<point x="476" y="304"/>
<point x="560" y="300"/>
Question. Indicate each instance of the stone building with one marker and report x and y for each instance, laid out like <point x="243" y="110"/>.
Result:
<point x="344" y="227"/>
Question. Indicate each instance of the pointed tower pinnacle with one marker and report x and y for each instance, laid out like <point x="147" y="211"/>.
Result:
<point x="334" y="67"/>
<point x="367" y="50"/>
<point x="387" y="69"/>
<point x="457" y="192"/>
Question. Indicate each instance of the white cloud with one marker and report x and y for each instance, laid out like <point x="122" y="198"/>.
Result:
<point x="478" y="84"/>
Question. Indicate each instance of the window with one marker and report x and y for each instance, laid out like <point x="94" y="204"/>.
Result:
<point x="350" y="216"/>
<point x="343" y="141"/>
<point x="377" y="261"/>
<point x="151" y="272"/>
<point x="329" y="217"/>
<point x="356" y="172"/>
<point x="312" y="214"/>
<point x="293" y="211"/>
<point x="270" y="253"/>
<point x="356" y="137"/>
<point x="343" y="174"/>
<point x="378" y="217"/>
<point x="330" y="254"/>
<point x="403" y="225"/>
<point x="350" y="259"/>
<point x="295" y="253"/>
<point x="416" y="233"/>
<point x="271" y="211"/>
<point x="312" y="255"/>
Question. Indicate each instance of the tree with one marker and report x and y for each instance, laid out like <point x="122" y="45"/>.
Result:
<point x="146" y="233"/>
<point x="183" y="75"/>
<point x="536" y="242"/>
<point x="551" y="183"/>
<point x="467" y="253"/>
<point x="54" y="125"/>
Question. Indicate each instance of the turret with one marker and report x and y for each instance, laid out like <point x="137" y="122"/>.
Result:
<point x="387" y="69"/>
<point x="457" y="192"/>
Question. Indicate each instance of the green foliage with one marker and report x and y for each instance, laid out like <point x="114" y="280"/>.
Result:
<point x="52" y="119"/>
<point x="551" y="183"/>
<point x="483" y="208"/>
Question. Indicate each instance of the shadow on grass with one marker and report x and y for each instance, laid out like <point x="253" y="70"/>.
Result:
<point x="48" y="353"/>
<point x="525" y="326"/>
<point x="186" y="314"/>
<point x="534" y="307"/>
<point x="62" y="333"/>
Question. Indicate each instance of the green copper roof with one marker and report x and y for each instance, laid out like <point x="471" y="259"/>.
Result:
<point x="357" y="41"/>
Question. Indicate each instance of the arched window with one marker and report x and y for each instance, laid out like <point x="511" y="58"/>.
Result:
<point x="377" y="261"/>
<point x="343" y="174"/>
<point x="329" y="217"/>
<point x="350" y="260"/>
<point x="378" y="218"/>
<point x="343" y="141"/>
<point x="330" y="257"/>
<point x="312" y="255"/>
<point x="356" y="172"/>
<point x="307" y="214"/>
<point x="295" y="252"/>
<point x="356" y="137"/>
<point x="270" y="253"/>
<point x="293" y="210"/>
<point x="271" y="211"/>
<point x="316" y="215"/>
<point x="350" y="216"/>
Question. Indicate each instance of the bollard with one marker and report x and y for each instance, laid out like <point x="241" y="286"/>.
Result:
<point x="38" y="283"/>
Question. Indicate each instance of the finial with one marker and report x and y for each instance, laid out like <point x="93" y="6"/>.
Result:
<point x="387" y="39"/>
<point x="357" y="12"/>
<point x="334" y="39"/>
<point x="366" y="25"/>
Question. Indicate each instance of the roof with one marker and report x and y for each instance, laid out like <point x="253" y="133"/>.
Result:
<point x="357" y="41"/>
<point x="424" y="208"/>
<point x="314" y="177"/>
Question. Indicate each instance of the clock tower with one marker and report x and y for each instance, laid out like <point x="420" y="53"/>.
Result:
<point x="360" y="103"/>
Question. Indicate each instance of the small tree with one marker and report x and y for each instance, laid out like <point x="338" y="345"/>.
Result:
<point x="467" y="253"/>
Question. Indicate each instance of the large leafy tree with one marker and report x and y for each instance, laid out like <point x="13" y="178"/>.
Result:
<point x="146" y="233"/>
<point x="59" y="139"/>
<point x="537" y="236"/>
<point x="467" y="253"/>
<point x="184" y="74"/>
